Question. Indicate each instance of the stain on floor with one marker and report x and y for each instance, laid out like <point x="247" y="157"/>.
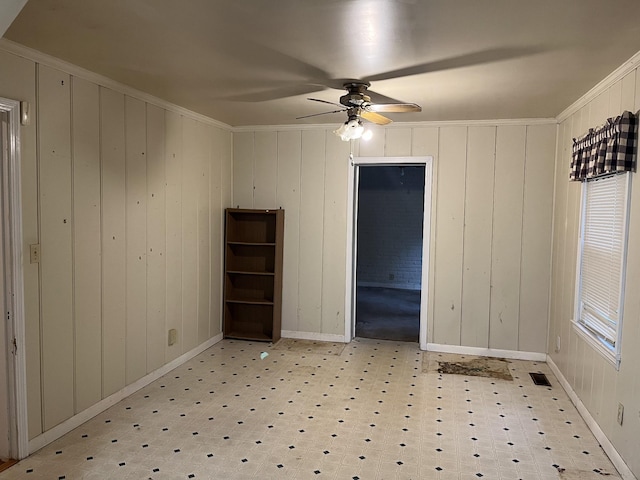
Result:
<point x="488" y="367"/>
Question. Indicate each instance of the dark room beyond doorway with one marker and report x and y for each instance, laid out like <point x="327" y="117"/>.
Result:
<point x="389" y="252"/>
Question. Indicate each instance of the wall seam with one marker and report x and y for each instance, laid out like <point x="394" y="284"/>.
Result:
<point x="253" y="169"/>
<point x="324" y="211"/>
<point x="277" y="169"/>
<point x="146" y="229"/>
<point x="299" y="242"/>
<point x="73" y="250"/>
<point x="39" y="202"/>
<point x="165" y="345"/>
<point x="524" y="190"/>
<point x="182" y="161"/>
<point x="411" y="132"/>
<point x="434" y="221"/>
<point x="126" y="214"/>
<point x="298" y="226"/>
<point x="210" y="136"/>
<point x="464" y="230"/>
<point x="385" y="142"/>
<point x="146" y="235"/>
<point x="197" y="252"/>
<point x="324" y="173"/>
<point x="435" y="164"/>
<point x="552" y="231"/>
<point x="493" y="215"/>
<point x="562" y="249"/>
<point x="100" y="159"/>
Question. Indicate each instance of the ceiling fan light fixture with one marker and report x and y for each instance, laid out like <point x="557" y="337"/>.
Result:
<point x="352" y="129"/>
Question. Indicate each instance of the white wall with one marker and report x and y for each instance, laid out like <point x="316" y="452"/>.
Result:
<point x="491" y="224"/>
<point x="597" y="383"/>
<point x="126" y="199"/>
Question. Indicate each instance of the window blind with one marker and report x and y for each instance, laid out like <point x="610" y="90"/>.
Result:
<point x="603" y="248"/>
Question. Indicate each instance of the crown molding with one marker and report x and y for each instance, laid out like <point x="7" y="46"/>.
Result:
<point x="619" y="73"/>
<point x="446" y="123"/>
<point x="76" y="71"/>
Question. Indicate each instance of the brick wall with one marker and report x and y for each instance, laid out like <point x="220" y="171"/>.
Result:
<point x="390" y="214"/>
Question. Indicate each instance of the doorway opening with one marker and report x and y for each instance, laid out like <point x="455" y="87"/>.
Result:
<point x="389" y="260"/>
<point x="13" y="397"/>
<point x="388" y="248"/>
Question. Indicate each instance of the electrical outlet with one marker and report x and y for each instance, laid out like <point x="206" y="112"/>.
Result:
<point x="34" y="253"/>
<point x="173" y="336"/>
<point x="620" y="413"/>
<point x="557" y="343"/>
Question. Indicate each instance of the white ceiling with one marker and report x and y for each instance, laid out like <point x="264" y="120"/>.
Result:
<point x="9" y="10"/>
<point x="254" y="62"/>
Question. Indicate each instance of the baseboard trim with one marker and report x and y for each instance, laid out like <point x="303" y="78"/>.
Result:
<point x="321" y="337"/>
<point x="487" y="352"/>
<point x="65" y="427"/>
<point x="606" y="444"/>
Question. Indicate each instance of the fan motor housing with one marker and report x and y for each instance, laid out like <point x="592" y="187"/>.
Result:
<point x="358" y="104"/>
<point x="356" y="96"/>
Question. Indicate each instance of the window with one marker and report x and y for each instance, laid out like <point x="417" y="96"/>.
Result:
<point x="601" y="262"/>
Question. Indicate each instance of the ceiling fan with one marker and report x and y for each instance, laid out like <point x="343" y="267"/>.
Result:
<point x="357" y="102"/>
<point x="358" y="105"/>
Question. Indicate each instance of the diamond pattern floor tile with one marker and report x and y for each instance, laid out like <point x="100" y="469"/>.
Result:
<point x="370" y="412"/>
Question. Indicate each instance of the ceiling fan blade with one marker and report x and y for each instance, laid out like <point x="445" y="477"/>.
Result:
<point x="466" y="60"/>
<point x="394" y="107"/>
<point x="323" y="113"/>
<point x="325" y="101"/>
<point x="375" y="118"/>
<point x="379" y="98"/>
<point x="277" y="93"/>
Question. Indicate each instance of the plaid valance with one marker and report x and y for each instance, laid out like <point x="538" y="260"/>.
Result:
<point x="607" y="149"/>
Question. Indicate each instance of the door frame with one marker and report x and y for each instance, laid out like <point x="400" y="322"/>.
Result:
<point x="14" y="294"/>
<point x="352" y="237"/>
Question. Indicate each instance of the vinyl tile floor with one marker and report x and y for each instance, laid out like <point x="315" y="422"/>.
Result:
<point x="368" y="413"/>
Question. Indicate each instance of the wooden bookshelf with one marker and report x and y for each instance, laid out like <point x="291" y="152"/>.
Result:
<point x="253" y="274"/>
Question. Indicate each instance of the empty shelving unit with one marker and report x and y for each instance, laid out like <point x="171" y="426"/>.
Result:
<point x="253" y="274"/>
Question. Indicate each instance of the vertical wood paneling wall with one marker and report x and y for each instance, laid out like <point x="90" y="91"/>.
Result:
<point x="126" y="200"/>
<point x="491" y="224"/>
<point x="56" y="276"/>
<point x="598" y="384"/>
<point x="86" y="241"/>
